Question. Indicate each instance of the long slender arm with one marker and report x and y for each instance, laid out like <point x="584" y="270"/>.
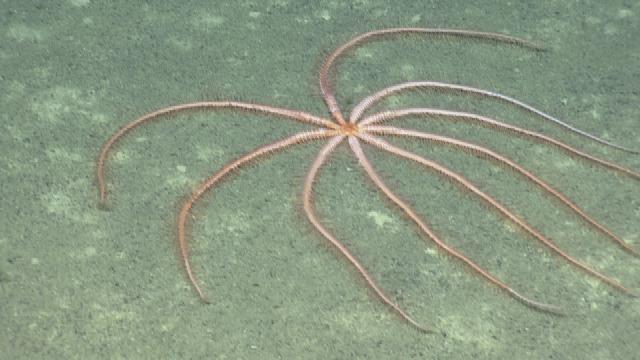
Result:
<point x="375" y="178"/>
<point x="495" y="124"/>
<point x="493" y="203"/>
<point x="327" y="71"/>
<point x="371" y="100"/>
<point x="309" y="210"/>
<point x="502" y="160"/>
<point x="205" y="105"/>
<point x="213" y="180"/>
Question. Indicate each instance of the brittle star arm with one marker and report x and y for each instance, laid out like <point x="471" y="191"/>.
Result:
<point x="495" y="124"/>
<point x="483" y="152"/>
<point x="213" y="180"/>
<point x="327" y="69"/>
<point x="371" y="100"/>
<point x="309" y="209"/>
<point x="203" y="105"/>
<point x="494" y="204"/>
<point x="450" y="250"/>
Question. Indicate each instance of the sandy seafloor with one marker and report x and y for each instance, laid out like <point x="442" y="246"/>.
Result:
<point x="77" y="281"/>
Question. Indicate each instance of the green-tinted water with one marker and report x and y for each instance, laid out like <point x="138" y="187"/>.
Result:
<point x="80" y="282"/>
